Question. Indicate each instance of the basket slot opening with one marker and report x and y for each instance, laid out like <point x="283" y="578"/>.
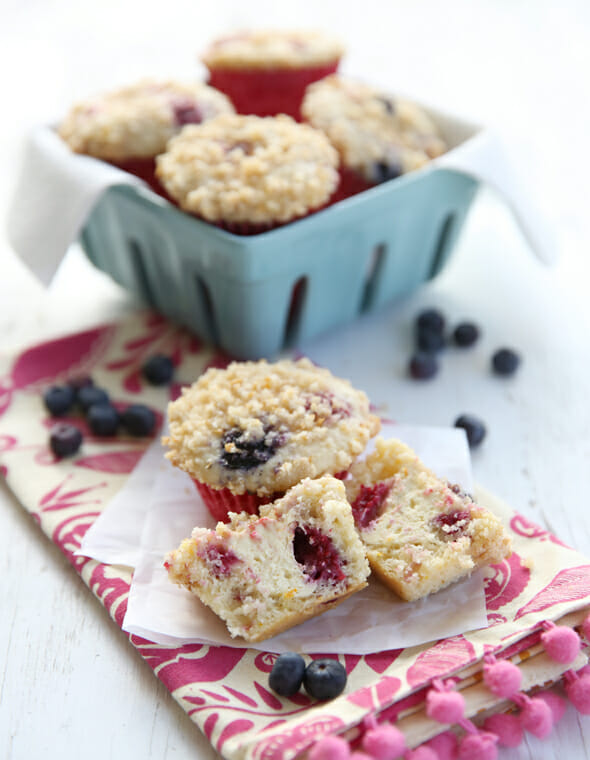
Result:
<point x="372" y="276"/>
<point x="298" y="294"/>
<point x="208" y="312"/>
<point x="140" y="270"/>
<point x="442" y="244"/>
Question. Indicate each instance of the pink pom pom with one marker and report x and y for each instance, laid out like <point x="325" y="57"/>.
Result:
<point x="578" y="691"/>
<point x="557" y="704"/>
<point x="445" y="706"/>
<point x="502" y="678"/>
<point x="444" y="745"/>
<point x="330" y="748"/>
<point x="561" y="643"/>
<point x="536" y="718"/>
<point x="421" y="753"/>
<point x="385" y="742"/>
<point x="506" y="727"/>
<point x="480" y="746"/>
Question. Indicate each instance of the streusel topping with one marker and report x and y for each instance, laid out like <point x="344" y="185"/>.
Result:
<point x="262" y="427"/>
<point x="273" y="48"/>
<point x="249" y="169"/>
<point x="376" y="134"/>
<point x="137" y="121"/>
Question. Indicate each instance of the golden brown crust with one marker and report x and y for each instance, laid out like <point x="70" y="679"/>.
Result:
<point x="318" y="422"/>
<point x="249" y="169"/>
<point x="138" y="120"/>
<point x="370" y="127"/>
<point x="272" y="48"/>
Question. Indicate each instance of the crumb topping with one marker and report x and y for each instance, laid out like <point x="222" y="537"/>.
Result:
<point x="262" y="427"/>
<point x="273" y="48"/>
<point x="249" y="169"/>
<point x="374" y="132"/>
<point x="138" y="120"/>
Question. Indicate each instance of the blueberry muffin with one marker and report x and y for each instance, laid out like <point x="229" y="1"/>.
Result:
<point x="420" y="532"/>
<point x="378" y="136"/>
<point x="247" y="433"/>
<point x="264" y="574"/>
<point x="265" y="72"/>
<point x="249" y="174"/>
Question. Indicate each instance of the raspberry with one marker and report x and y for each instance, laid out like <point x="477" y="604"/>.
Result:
<point x="318" y="555"/>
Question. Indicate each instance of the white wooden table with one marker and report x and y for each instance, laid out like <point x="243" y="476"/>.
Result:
<point x="70" y="685"/>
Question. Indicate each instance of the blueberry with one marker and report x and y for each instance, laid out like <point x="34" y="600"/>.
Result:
<point x="138" y="419"/>
<point x="64" y="440"/>
<point x="89" y="395"/>
<point x="59" y="400"/>
<point x="383" y="171"/>
<point x="239" y="452"/>
<point x="324" y="679"/>
<point x="429" y="340"/>
<point x="465" y="334"/>
<point x="158" y="370"/>
<point x="388" y="104"/>
<point x="474" y="429"/>
<point x="103" y="419"/>
<point x="505" y="361"/>
<point x="80" y="381"/>
<point x="287" y="673"/>
<point x="423" y="366"/>
<point x="430" y="319"/>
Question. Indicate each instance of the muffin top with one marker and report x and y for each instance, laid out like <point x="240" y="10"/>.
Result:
<point x="249" y="169"/>
<point x="262" y="427"/>
<point x="377" y="135"/>
<point x="137" y="121"/>
<point x="259" y="49"/>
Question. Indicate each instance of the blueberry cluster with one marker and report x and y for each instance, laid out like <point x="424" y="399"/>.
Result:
<point x="81" y="395"/>
<point x="322" y="679"/>
<point x="431" y="337"/>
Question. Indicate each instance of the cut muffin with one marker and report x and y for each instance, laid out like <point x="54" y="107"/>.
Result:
<point x="420" y="532"/>
<point x="247" y="433"/>
<point x="262" y="575"/>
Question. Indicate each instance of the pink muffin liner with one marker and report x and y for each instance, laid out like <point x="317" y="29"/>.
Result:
<point x="268" y="92"/>
<point x="221" y="501"/>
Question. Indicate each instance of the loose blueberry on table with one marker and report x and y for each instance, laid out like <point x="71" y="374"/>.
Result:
<point x="431" y="319"/>
<point x="505" y="361"/>
<point x="138" y="420"/>
<point x="59" y="400"/>
<point x="423" y="366"/>
<point x="64" y="440"/>
<point x="474" y="428"/>
<point x="158" y="369"/>
<point x="465" y="334"/>
<point x="324" y="679"/>
<point x="429" y="340"/>
<point x="103" y="419"/>
<point x="89" y="395"/>
<point x="287" y="674"/>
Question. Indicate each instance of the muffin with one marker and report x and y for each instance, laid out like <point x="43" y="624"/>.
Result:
<point x="420" y="532"/>
<point x="378" y="137"/>
<point x="266" y="72"/>
<point x="249" y="174"/>
<point x="247" y="433"/>
<point x="128" y="127"/>
<point x="265" y="574"/>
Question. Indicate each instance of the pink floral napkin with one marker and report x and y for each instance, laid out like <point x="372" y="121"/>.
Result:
<point x="225" y="689"/>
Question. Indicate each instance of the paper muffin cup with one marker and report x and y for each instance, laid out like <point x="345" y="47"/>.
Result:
<point x="221" y="501"/>
<point x="268" y="92"/>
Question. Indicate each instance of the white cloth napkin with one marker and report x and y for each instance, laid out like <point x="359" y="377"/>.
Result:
<point x="159" y="506"/>
<point x="57" y="190"/>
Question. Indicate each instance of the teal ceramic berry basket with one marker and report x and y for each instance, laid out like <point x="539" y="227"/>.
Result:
<point x="256" y="295"/>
